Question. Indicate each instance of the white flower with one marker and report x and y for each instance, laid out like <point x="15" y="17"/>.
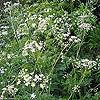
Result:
<point x="85" y="26"/>
<point x="27" y="77"/>
<point x="2" y="70"/>
<point x="24" y="53"/>
<point x="32" y="73"/>
<point x="41" y="75"/>
<point x="7" y="3"/>
<point x="33" y="25"/>
<point x="77" y="40"/>
<point x="42" y="25"/>
<point x="15" y="90"/>
<point x="4" y="33"/>
<point x="26" y="70"/>
<point x="27" y="83"/>
<point x="33" y="84"/>
<point x="34" y="16"/>
<point x="86" y="63"/>
<point x="16" y="4"/>
<point x="10" y="87"/>
<point x="42" y="86"/>
<point x="32" y="46"/>
<point x="33" y="50"/>
<point x="73" y="37"/>
<point x="8" y="56"/>
<point x="50" y="16"/>
<point x="5" y="27"/>
<point x="39" y="18"/>
<point x="76" y="88"/>
<point x="35" y="4"/>
<point x="36" y="76"/>
<point x="39" y="47"/>
<point x="47" y="10"/>
<point x="35" y="79"/>
<point x="4" y="89"/>
<point x="1" y="82"/>
<point x="18" y="82"/>
<point x="65" y="35"/>
<point x="70" y="40"/>
<point x="33" y="95"/>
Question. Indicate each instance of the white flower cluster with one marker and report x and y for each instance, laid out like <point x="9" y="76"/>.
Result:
<point x="60" y="25"/>
<point x="4" y="33"/>
<point x="67" y="75"/>
<point x="4" y="30"/>
<point x="85" y="26"/>
<point x="76" y="88"/>
<point x="38" y="22"/>
<point x="66" y="34"/>
<point x="32" y="46"/>
<point x="2" y="70"/>
<point x="86" y="63"/>
<point x="42" y="26"/>
<point x="8" y="6"/>
<point x="74" y="39"/>
<point x="32" y="79"/>
<point x="62" y="29"/>
<point x="47" y="9"/>
<point x="35" y="4"/>
<point x="10" y="89"/>
<point x="4" y="27"/>
<point x="83" y="20"/>
<point x="33" y="96"/>
<point x="9" y="56"/>
<point x="7" y="3"/>
<point x="32" y="17"/>
<point x="16" y="4"/>
<point x="22" y="30"/>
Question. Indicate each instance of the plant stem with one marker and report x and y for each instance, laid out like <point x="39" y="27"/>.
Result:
<point x="53" y="65"/>
<point x="80" y="44"/>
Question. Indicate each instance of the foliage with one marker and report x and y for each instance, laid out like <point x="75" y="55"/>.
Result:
<point x="49" y="50"/>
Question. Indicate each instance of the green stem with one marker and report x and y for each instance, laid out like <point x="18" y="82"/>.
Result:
<point x="16" y="37"/>
<point x="83" y="76"/>
<point x="54" y="64"/>
<point x="80" y="44"/>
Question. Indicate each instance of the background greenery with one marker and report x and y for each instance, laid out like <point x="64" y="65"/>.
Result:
<point x="50" y="49"/>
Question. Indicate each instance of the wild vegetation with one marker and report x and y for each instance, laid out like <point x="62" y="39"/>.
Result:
<point x="50" y="50"/>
